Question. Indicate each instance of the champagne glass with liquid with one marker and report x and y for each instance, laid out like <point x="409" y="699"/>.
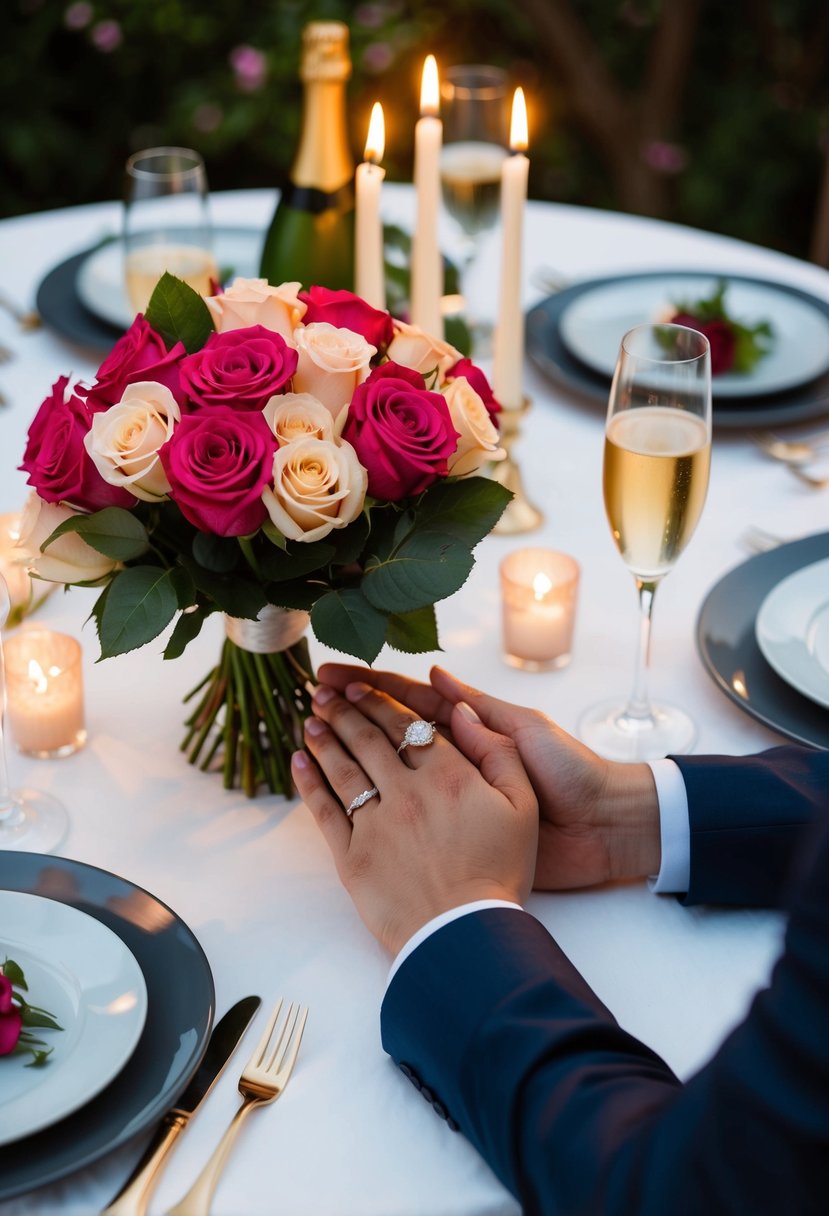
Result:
<point x="657" y="456"/>
<point x="166" y="223"/>
<point x="474" y="110"/>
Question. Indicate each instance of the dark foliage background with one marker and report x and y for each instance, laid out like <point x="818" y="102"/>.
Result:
<point x="712" y="114"/>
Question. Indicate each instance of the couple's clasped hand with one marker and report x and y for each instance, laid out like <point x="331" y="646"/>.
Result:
<point x="501" y="800"/>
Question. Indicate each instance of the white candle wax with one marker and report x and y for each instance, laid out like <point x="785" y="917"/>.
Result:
<point x="508" y="360"/>
<point x="370" y="279"/>
<point x="426" y="267"/>
<point x="538" y="589"/>
<point x="44" y="685"/>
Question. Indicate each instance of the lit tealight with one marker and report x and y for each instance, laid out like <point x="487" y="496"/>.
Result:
<point x="538" y="599"/>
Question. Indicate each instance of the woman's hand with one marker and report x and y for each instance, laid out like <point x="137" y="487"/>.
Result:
<point x="449" y="824"/>
<point x="599" y="821"/>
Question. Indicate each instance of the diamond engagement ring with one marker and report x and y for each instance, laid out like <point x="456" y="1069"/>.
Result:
<point x="361" y="800"/>
<point x="418" y="734"/>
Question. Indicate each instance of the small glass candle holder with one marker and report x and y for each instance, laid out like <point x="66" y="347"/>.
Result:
<point x="538" y="600"/>
<point x="44" y="693"/>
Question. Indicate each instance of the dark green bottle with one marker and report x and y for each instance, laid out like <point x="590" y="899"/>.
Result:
<point x="311" y="237"/>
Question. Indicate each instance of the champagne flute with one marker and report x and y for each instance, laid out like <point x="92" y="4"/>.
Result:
<point x="29" y="819"/>
<point x="166" y="223"/>
<point x="474" y="113"/>
<point x="657" y="456"/>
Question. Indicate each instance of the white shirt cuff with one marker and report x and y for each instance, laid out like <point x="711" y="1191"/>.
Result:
<point x="437" y="922"/>
<point x="674" y="829"/>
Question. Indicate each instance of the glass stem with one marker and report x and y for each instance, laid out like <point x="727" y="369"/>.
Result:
<point x="639" y="705"/>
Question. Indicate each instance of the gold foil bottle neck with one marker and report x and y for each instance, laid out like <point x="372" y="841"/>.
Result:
<point x="325" y="54"/>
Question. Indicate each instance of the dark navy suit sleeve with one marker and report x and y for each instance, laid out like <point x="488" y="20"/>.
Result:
<point x="746" y="817"/>
<point x="577" y="1117"/>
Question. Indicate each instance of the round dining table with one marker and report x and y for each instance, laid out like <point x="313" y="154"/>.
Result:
<point x="253" y="879"/>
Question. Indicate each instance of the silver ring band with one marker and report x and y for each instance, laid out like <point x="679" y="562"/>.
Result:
<point x="361" y="800"/>
<point x="418" y="734"/>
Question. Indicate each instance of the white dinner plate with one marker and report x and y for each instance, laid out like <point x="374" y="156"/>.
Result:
<point x="792" y="630"/>
<point x="79" y="970"/>
<point x="100" y="280"/>
<point x="593" y="325"/>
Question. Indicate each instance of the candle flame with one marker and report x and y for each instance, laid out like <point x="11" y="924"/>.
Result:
<point x="541" y="585"/>
<point x="429" y="88"/>
<point x="518" y="134"/>
<point x="37" y="676"/>
<point x="376" y="138"/>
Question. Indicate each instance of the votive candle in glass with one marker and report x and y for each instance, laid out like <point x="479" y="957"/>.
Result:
<point x="44" y="693"/>
<point x="538" y="600"/>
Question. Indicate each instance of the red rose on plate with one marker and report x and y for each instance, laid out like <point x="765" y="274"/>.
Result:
<point x="242" y="368"/>
<point x="11" y="1023"/>
<point x="402" y="433"/>
<point x="478" y="381"/>
<point x="58" y="464"/>
<point x="347" y="311"/>
<point x="139" y="354"/>
<point x="218" y="462"/>
<point x="721" y="339"/>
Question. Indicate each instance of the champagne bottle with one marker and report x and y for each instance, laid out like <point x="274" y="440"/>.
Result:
<point x="311" y="237"/>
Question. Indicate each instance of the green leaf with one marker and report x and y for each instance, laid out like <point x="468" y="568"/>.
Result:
<point x="187" y="627"/>
<point x="141" y="601"/>
<point x="346" y="621"/>
<point x="15" y="973"/>
<point x="299" y="593"/>
<point x="349" y="542"/>
<point x="273" y="534"/>
<point x="217" y="553"/>
<point x="179" y="314"/>
<point x="414" y="632"/>
<point x="296" y="560"/>
<point x="232" y="594"/>
<point x="466" y="510"/>
<point x="428" y="567"/>
<point x="41" y="1019"/>
<point x="115" y="532"/>
<point x="183" y="586"/>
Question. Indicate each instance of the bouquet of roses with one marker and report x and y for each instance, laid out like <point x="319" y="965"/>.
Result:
<point x="272" y="455"/>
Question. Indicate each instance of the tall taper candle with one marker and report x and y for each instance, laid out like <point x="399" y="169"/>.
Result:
<point x="370" y="280"/>
<point x="427" y="268"/>
<point x="507" y="368"/>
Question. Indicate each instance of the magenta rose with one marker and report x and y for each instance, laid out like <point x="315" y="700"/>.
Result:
<point x="58" y="464"/>
<point x="11" y="1023"/>
<point x="347" y="311"/>
<point x="721" y="339"/>
<point x="242" y="368"/>
<point x="477" y="380"/>
<point x="139" y="354"/>
<point x="218" y="462"/>
<point x="403" y="434"/>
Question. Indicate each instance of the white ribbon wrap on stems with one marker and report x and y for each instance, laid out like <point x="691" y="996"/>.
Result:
<point x="275" y="629"/>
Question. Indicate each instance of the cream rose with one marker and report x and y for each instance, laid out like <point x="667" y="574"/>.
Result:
<point x="332" y="362"/>
<point x="414" y="348"/>
<point x="123" y="441"/>
<point x="69" y="559"/>
<point x="297" y="416"/>
<point x="255" y="302"/>
<point x="478" y="442"/>
<point x="317" y="485"/>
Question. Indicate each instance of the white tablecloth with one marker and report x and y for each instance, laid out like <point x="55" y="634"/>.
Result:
<point x="254" y="880"/>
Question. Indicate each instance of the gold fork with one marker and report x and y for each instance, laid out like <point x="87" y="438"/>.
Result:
<point x="262" y="1081"/>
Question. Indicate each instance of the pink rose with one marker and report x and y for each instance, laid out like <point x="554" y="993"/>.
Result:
<point x="11" y="1023"/>
<point x="721" y="339"/>
<point x="58" y="464"/>
<point x="218" y="462"/>
<point x="347" y="311"/>
<point x="242" y="368"/>
<point x="478" y="381"/>
<point x="139" y="354"/>
<point x="403" y="434"/>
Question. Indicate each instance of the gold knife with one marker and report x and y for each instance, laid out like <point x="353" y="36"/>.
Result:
<point x="132" y="1199"/>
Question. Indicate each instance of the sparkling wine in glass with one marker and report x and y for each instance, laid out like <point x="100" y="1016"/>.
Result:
<point x="166" y="223"/>
<point x="29" y="819"/>
<point x="474" y="110"/>
<point x="657" y="456"/>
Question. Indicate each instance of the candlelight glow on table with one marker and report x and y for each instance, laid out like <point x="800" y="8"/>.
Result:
<point x="44" y="693"/>
<point x="539" y="588"/>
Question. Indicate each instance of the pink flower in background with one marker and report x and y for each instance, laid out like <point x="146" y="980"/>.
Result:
<point x="664" y="157"/>
<point x="250" y="67"/>
<point x="107" y="36"/>
<point x="78" y="15"/>
<point x="369" y="15"/>
<point x="378" y="57"/>
<point x="208" y="117"/>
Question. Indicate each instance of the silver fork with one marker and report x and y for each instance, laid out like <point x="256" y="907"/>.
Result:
<point x="809" y="479"/>
<point x="790" y="451"/>
<point x="263" y="1079"/>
